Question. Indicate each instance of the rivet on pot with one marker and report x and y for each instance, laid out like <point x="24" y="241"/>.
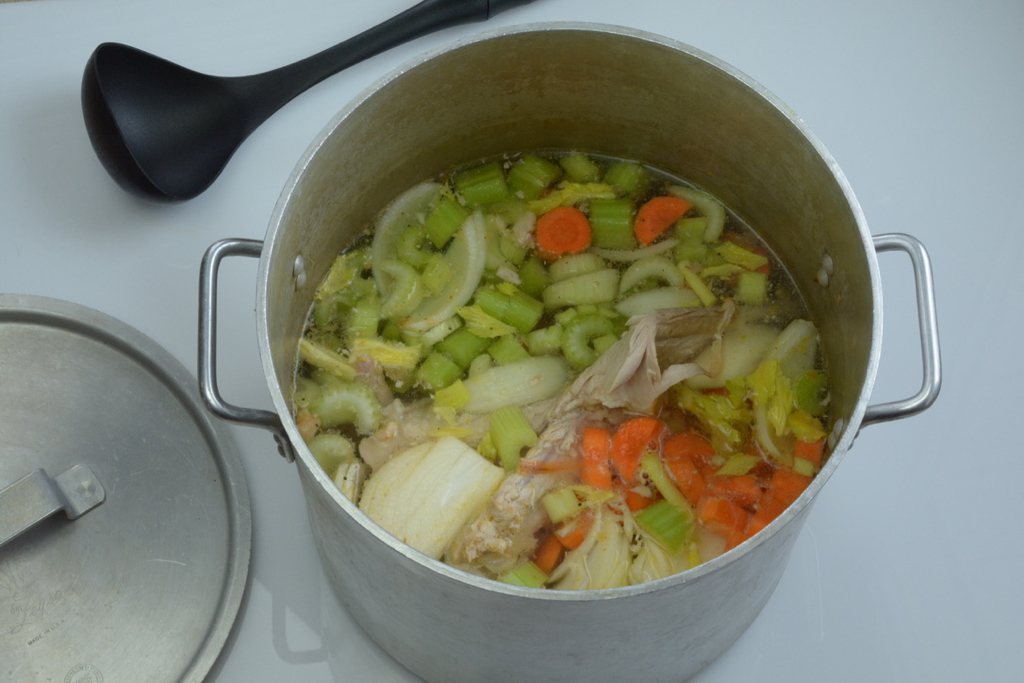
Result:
<point x="299" y="271"/>
<point x="837" y="429"/>
<point x="825" y="270"/>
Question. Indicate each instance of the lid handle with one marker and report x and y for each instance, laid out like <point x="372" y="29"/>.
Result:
<point x="36" y="496"/>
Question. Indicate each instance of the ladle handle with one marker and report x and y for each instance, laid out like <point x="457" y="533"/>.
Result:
<point x="929" y="331"/>
<point x="269" y="91"/>
<point x="208" y="388"/>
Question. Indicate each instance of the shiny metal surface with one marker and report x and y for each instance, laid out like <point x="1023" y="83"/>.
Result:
<point x="641" y="97"/>
<point x="208" y="386"/>
<point x="146" y="586"/>
<point x="928" y="324"/>
<point x="36" y="496"/>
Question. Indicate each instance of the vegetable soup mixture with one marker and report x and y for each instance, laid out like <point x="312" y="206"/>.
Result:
<point x="563" y="370"/>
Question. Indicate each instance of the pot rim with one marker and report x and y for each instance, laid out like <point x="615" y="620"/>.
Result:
<point x="840" y="439"/>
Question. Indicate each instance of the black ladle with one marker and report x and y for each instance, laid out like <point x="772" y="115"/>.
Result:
<point x="165" y="132"/>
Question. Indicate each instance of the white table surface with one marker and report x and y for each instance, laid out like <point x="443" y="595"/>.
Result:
<point x="909" y="568"/>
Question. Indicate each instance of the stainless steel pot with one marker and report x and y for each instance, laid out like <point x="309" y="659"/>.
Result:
<point x="608" y="90"/>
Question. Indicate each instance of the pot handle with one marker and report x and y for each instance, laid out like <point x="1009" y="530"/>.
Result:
<point x="36" y="496"/>
<point x="929" y="330"/>
<point x="208" y="344"/>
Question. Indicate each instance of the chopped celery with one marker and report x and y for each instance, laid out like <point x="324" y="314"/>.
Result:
<point x="593" y="288"/>
<point x="407" y="291"/>
<point x="561" y="504"/>
<point x="752" y="288"/>
<point x="650" y="465"/>
<point x="331" y="450"/>
<point x="411" y="247"/>
<point x="718" y="413"/>
<point x="306" y="391"/>
<point x="325" y="359"/>
<point x="604" y="342"/>
<point x="725" y="271"/>
<point x="804" y="467"/>
<point x="692" y="253"/>
<point x="565" y="502"/>
<point x="390" y="355"/>
<point x="693" y="281"/>
<point x="737" y="255"/>
<point x="345" y="402"/>
<point x="454" y="396"/>
<point x="580" y="168"/>
<point x="569" y="194"/>
<point x="563" y="317"/>
<point x="510" y="306"/>
<point x="484" y="184"/>
<point x="479" y="364"/>
<point x="531" y="175"/>
<point x="462" y="346"/>
<point x="343" y="272"/>
<point x="511" y="432"/>
<point x="482" y="323"/>
<point x="611" y="223"/>
<point x="533" y="277"/>
<point x="492" y="301"/>
<point x="545" y="341"/>
<point x="436" y="273"/>
<point x="435" y="335"/>
<point x="364" y="318"/>
<point x="438" y="371"/>
<point x="512" y="251"/>
<point x="444" y="220"/>
<point x="809" y="392"/>
<point x="650" y="268"/>
<point x="486" y="448"/>
<point x="510" y="210"/>
<point x="738" y="464"/>
<point x="690" y="230"/>
<point x="507" y="349"/>
<point x="572" y="265"/>
<point x="527" y="575"/>
<point x="576" y="340"/>
<point x="667" y="524"/>
<point x="392" y="331"/>
<point x="628" y="177"/>
<point x="804" y="426"/>
<point x="523" y="312"/>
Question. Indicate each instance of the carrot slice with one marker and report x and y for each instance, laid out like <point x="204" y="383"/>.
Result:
<point x="595" y="467"/>
<point x="573" y="533"/>
<point x="630" y="441"/>
<point x="811" y="451"/>
<point x="722" y="516"/>
<point x="742" y="489"/>
<point x="637" y="501"/>
<point x="537" y="466"/>
<point x="562" y="230"/>
<point x="787" y="485"/>
<point x="549" y="554"/>
<point x="657" y="215"/>
<point x="685" y="474"/>
<point x="689" y="444"/>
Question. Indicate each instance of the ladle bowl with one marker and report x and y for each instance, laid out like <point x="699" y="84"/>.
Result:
<point x="165" y="132"/>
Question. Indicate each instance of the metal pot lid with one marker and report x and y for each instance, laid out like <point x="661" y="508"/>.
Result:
<point x="137" y="568"/>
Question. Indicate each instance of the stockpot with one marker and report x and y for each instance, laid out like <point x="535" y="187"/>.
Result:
<point x="606" y="90"/>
